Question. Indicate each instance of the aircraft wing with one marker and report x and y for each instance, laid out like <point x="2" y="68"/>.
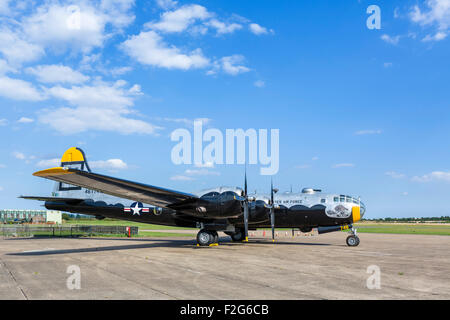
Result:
<point x="55" y="199"/>
<point x="116" y="187"/>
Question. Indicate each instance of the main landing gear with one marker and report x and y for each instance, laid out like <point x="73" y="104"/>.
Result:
<point x="207" y="238"/>
<point x="353" y="239"/>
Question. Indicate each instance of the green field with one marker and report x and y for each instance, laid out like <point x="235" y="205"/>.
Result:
<point x="395" y="228"/>
<point x="364" y="227"/>
<point x="145" y="230"/>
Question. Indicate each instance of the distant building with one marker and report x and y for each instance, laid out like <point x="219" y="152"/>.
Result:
<point x="34" y="216"/>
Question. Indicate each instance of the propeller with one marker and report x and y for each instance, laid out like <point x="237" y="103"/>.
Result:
<point x="246" y="208"/>
<point x="272" y="210"/>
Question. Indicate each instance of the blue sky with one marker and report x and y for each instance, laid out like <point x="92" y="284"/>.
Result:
<point x="360" y="112"/>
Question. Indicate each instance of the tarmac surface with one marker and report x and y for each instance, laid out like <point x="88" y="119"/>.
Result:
<point x="301" y="267"/>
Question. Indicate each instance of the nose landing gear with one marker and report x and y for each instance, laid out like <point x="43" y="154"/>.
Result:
<point x="207" y="238"/>
<point x="353" y="239"/>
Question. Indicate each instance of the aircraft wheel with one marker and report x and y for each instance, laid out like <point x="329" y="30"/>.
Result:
<point x="238" y="236"/>
<point x="352" y="241"/>
<point x="205" y="238"/>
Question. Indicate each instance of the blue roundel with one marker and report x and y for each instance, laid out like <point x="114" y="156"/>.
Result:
<point x="138" y="204"/>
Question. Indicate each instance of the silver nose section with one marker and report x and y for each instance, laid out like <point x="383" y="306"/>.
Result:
<point x="362" y="209"/>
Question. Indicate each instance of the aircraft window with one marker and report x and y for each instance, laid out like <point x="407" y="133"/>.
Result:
<point x="229" y="193"/>
<point x="348" y="199"/>
<point x="342" y="199"/>
<point x="211" y="194"/>
<point x="323" y="200"/>
<point x="355" y="201"/>
<point x="336" y="199"/>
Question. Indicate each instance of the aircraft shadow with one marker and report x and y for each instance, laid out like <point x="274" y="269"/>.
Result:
<point x="154" y="243"/>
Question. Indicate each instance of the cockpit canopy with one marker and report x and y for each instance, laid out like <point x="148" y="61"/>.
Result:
<point x="349" y="199"/>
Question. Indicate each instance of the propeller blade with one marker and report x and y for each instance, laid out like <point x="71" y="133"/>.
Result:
<point x="246" y="207"/>
<point x="245" y="184"/>
<point x="246" y="220"/>
<point x="272" y="210"/>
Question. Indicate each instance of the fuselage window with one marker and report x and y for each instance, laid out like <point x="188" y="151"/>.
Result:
<point x="342" y="199"/>
<point x="323" y="200"/>
<point x="348" y="199"/>
<point x="336" y="199"/>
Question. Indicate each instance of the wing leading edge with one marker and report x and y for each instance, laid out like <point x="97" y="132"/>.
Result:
<point x="116" y="187"/>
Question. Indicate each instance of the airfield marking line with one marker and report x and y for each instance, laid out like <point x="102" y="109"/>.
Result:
<point x="122" y="277"/>
<point x="14" y="279"/>
<point x="39" y="250"/>
<point x="223" y="277"/>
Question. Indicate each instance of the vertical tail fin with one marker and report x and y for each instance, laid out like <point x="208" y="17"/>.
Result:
<point x="76" y="159"/>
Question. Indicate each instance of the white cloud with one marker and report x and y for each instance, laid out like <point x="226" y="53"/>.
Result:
<point x="57" y="74"/>
<point x="231" y="65"/>
<point x="49" y="163"/>
<point x="111" y="164"/>
<point x="258" y="30"/>
<point x="1" y="188"/>
<point x="222" y="27"/>
<point x="119" y="71"/>
<point x="181" y="178"/>
<point x="186" y="121"/>
<point x="149" y="48"/>
<point x="17" y="89"/>
<point x="437" y="37"/>
<point x="99" y="95"/>
<point x="5" y="67"/>
<point x="259" y="84"/>
<point x="438" y="14"/>
<point x="25" y="120"/>
<point x="180" y="19"/>
<point x="392" y="40"/>
<point x="344" y="165"/>
<point x="3" y="122"/>
<point x="166" y="4"/>
<point x="366" y="132"/>
<point x="81" y="27"/>
<point x="17" y="50"/>
<point x="19" y="155"/>
<point x="201" y="172"/>
<point x="205" y="165"/>
<point x="189" y="174"/>
<point x="395" y="175"/>
<point x="387" y="64"/>
<point x="433" y="176"/>
<point x="4" y="6"/>
<point x="102" y="107"/>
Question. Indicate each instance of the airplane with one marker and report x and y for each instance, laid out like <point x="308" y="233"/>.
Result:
<point x="227" y="209"/>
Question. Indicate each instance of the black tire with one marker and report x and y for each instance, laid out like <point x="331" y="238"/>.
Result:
<point x="238" y="236"/>
<point x="205" y="238"/>
<point x="215" y="236"/>
<point x="352" y="241"/>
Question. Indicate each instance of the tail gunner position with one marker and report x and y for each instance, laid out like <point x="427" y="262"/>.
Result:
<point x="228" y="209"/>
